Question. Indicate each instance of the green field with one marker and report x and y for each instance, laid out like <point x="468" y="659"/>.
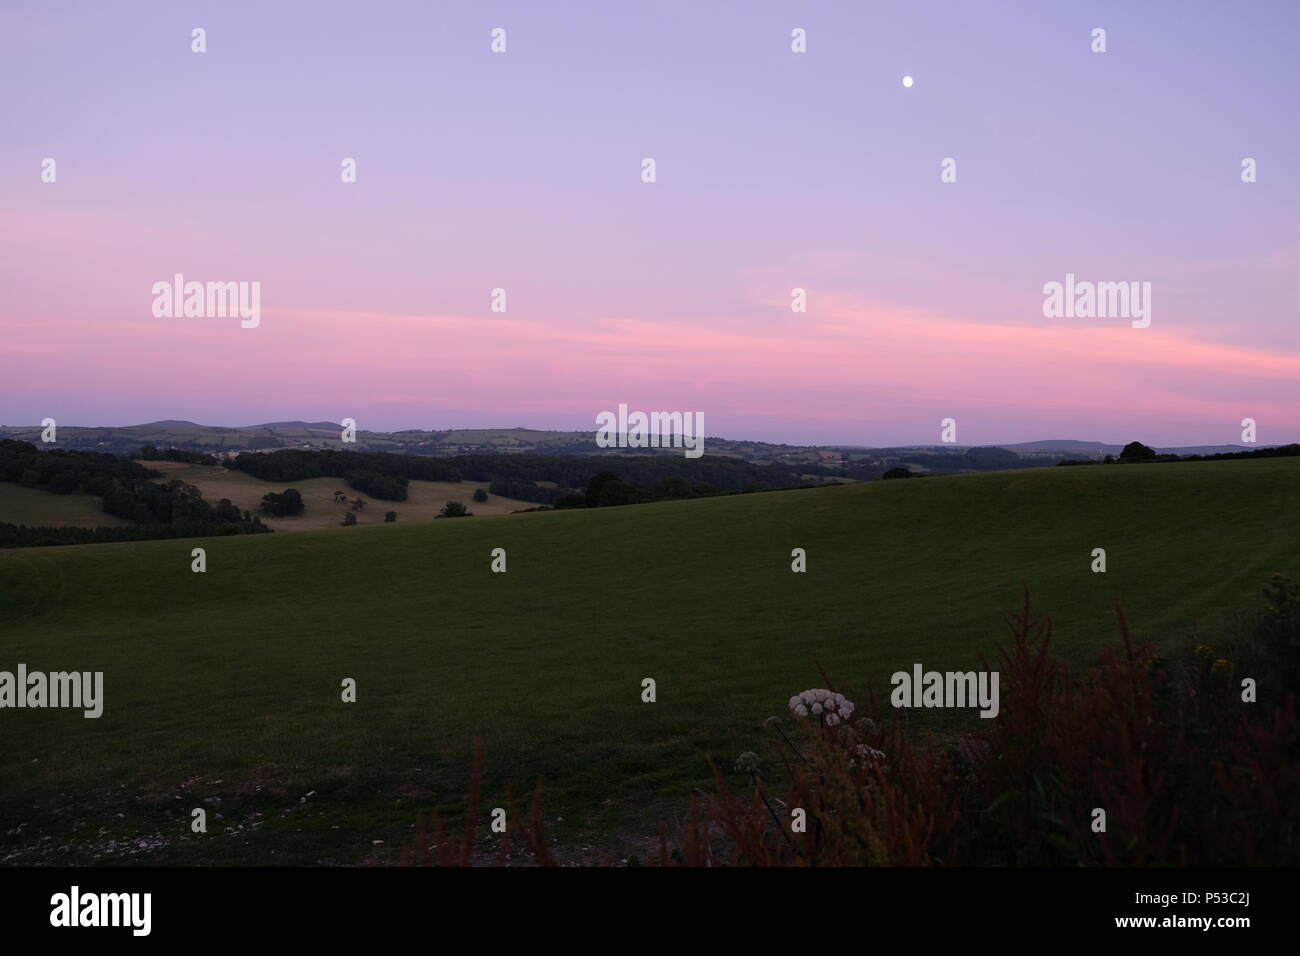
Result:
<point x="225" y="687"/>
<point x="34" y="506"/>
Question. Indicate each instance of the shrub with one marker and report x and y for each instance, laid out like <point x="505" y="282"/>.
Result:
<point x="461" y="852"/>
<point x="1187" y="772"/>
<point x="283" y="504"/>
<point x="1136" y="451"/>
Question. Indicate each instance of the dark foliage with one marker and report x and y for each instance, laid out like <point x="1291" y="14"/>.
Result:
<point x="153" y="453"/>
<point x="1187" y="771"/>
<point x="521" y="490"/>
<point x="283" y="504"/>
<point x="162" y="509"/>
<point x="1135" y="451"/>
<point x="26" y="536"/>
<point x="87" y="471"/>
<point x="565" y="471"/>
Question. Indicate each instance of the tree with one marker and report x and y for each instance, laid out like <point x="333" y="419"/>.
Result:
<point x="391" y="516"/>
<point x="358" y="504"/>
<point x="992" y="459"/>
<point x="283" y="504"/>
<point x="350" y="518"/>
<point x="1135" y="451"/>
<point x="619" y="492"/>
<point x="897" y="473"/>
<point x="480" y="496"/>
<point x="597" y="485"/>
<point x="674" y="486"/>
<point x="64" y="483"/>
<point x="454" y="509"/>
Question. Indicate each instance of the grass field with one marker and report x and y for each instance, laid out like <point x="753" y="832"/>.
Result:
<point x="31" y="506"/>
<point x="223" y="689"/>
<point x="425" y="498"/>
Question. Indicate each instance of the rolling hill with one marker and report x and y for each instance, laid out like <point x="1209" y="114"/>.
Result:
<point x="223" y="689"/>
<point x="424" y="498"/>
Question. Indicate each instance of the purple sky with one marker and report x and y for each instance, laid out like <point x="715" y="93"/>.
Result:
<point x="775" y="170"/>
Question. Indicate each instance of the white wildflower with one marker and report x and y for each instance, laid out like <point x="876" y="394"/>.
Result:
<point x="820" y="700"/>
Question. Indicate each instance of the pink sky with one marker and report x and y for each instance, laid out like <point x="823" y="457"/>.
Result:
<point x="776" y="171"/>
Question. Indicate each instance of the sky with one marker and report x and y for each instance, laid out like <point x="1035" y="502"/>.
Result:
<point x="774" y="170"/>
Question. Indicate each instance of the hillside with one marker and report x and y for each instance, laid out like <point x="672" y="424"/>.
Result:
<point x="425" y="498"/>
<point x="34" y="506"/>
<point x="224" y="687"/>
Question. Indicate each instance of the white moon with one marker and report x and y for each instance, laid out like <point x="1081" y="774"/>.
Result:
<point x="907" y="81"/>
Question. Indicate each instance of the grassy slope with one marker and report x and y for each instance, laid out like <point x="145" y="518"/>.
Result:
<point x="425" y="498"/>
<point x="32" y="506"/>
<point x="220" y="683"/>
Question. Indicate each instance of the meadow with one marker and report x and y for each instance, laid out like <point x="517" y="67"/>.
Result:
<point x="223" y="688"/>
<point x="35" y="506"/>
<point x="425" y="498"/>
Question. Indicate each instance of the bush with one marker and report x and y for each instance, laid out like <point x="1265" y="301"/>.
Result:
<point x="454" y="509"/>
<point x="522" y="490"/>
<point x="480" y="496"/>
<point x="1135" y="451"/>
<point x="1186" y="771"/>
<point x="350" y="518"/>
<point x="283" y="504"/>
<point x="391" y="516"/>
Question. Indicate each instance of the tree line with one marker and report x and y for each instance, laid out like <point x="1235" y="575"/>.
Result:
<point x="64" y="472"/>
<point x="160" y="509"/>
<point x="385" y="475"/>
<point x="29" y="536"/>
<point x="1135" y="453"/>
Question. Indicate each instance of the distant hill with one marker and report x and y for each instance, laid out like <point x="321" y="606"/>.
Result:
<point x="1103" y="448"/>
<point x="849" y="460"/>
<point x="316" y="426"/>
